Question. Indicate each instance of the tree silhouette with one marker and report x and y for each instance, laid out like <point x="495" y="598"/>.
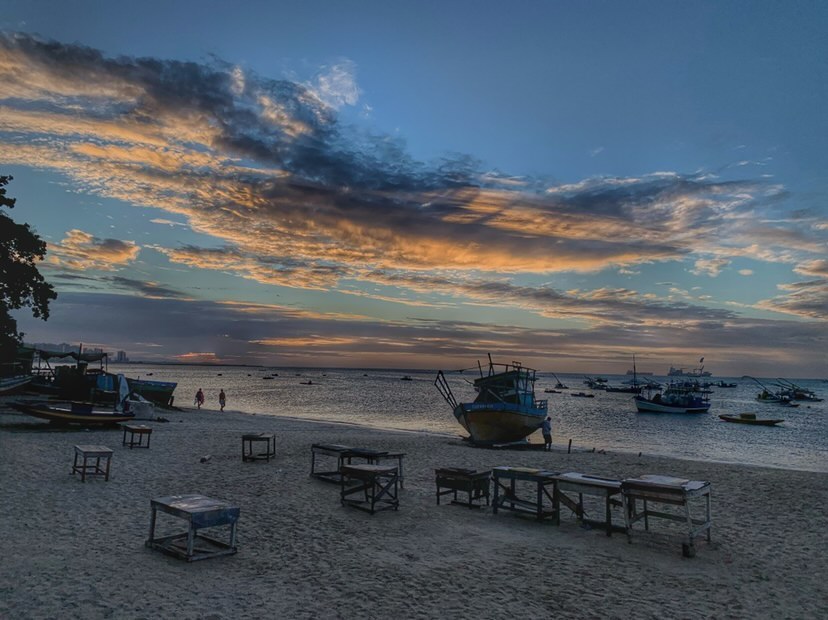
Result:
<point x="21" y="284"/>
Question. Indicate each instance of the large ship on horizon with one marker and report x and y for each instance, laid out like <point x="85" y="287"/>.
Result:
<point x="694" y="373"/>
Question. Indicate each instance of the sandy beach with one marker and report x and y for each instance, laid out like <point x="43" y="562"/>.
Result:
<point x="74" y="549"/>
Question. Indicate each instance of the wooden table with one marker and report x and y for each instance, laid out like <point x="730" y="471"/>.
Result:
<point x="584" y="484"/>
<point x="377" y="484"/>
<point x="199" y="512"/>
<point x="474" y="483"/>
<point x="505" y="491"/>
<point x="85" y="467"/>
<point x="345" y="455"/>
<point x="139" y="430"/>
<point x="670" y="491"/>
<point x="249" y="439"/>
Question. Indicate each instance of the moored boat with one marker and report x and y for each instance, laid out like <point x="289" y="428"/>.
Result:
<point x="157" y="392"/>
<point x="749" y="418"/>
<point x="684" y="397"/>
<point x="505" y="409"/>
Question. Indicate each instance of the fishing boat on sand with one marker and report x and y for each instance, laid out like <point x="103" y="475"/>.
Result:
<point x="83" y="413"/>
<point x="749" y="418"/>
<point x="677" y="397"/>
<point x="505" y="409"/>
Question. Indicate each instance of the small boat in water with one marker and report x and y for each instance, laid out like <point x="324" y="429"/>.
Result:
<point x="406" y="378"/>
<point x="582" y="395"/>
<point x="749" y="418"/>
<point x="677" y="397"/>
<point x="505" y="409"/>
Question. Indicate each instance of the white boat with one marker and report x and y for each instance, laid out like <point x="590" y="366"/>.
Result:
<point x="684" y="397"/>
<point x="505" y="409"/>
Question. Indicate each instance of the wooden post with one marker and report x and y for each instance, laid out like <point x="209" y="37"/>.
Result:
<point x="569" y="449"/>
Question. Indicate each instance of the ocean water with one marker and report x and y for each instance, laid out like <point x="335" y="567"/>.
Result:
<point x="380" y="398"/>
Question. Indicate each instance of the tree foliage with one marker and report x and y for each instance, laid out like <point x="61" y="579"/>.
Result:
<point x="21" y="284"/>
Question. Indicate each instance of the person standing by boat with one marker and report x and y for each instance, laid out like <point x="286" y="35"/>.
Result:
<point x="222" y="399"/>
<point x="199" y="398"/>
<point x="546" y="429"/>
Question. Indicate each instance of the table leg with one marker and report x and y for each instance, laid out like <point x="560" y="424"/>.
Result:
<point x="540" y="501"/>
<point x="153" y="511"/>
<point x="108" y="463"/>
<point x="190" y="540"/>
<point x="124" y="441"/>
<point x="608" y="515"/>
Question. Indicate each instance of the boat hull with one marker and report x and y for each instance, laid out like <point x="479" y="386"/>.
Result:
<point x="498" y="423"/>
<point x="158" y="392"/>
<point x="12" y="385"/>
<point x="742" y="420"/>
<point x="648" y="406"/>
<point x="72" y="413"/>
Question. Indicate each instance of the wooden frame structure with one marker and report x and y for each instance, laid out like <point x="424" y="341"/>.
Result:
<point x="378" y="485"/>
<point x="249" y="439"/>
<point x="85" y="467"/>
<point x="199" y="512"/>
<point x="505" y="491"/>
<point x="583" y="484"/>
<point x="671" y="491"/>
<point x="136" y="429"/>
<point x="345" y="455"/>
<point x="475" y="484"/>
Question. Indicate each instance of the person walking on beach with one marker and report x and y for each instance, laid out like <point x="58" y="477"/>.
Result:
<point x="546" y="429"/>
<point x="222" y="400"/>
<point x="199" y="398"/>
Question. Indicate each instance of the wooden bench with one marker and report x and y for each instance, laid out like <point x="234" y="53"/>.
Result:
<point x="249" y="439"/>
<point x="84" y="466"/>
<point x="376" y="484"/>
<point x="670" y="491"/>
<point x="583" y="484"/>
<point x="134" y="430"/>
<point x="199" y="512"/>
<point x="505" y="491"/>
<point x="475" y="483"/>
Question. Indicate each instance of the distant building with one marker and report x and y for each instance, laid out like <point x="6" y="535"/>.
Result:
<point x="121" y="357"/>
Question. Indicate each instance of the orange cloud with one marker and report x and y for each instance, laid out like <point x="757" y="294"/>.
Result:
<point x="79" y="250"/>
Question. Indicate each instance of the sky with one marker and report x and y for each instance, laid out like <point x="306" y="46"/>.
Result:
<point x="415" y="184"/>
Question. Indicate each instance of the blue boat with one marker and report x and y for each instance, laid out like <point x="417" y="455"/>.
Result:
<point x="505" y="409"/>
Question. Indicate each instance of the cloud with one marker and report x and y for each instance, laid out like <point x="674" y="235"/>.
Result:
<point x="709" y="266"/>
<point x="265" y="166"/>
<point x="80" y="250"/>
<point x="109" y="283"/>
<point x="166" y="222"/>
<point x="269" y="334"/>
<point x="746" y="272"/>
<point x="294" y="197"/>
<point x="336" y="84"/>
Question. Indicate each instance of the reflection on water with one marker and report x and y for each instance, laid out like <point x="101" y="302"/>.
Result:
<point x="608" y="421"/>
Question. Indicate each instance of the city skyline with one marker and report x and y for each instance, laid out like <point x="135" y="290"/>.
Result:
<point x="413" y="186"/>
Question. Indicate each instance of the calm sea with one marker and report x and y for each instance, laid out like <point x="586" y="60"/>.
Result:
<point x="609" y="421"/>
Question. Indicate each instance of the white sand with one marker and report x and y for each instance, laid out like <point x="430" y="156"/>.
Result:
<point x="77" y="550"/>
